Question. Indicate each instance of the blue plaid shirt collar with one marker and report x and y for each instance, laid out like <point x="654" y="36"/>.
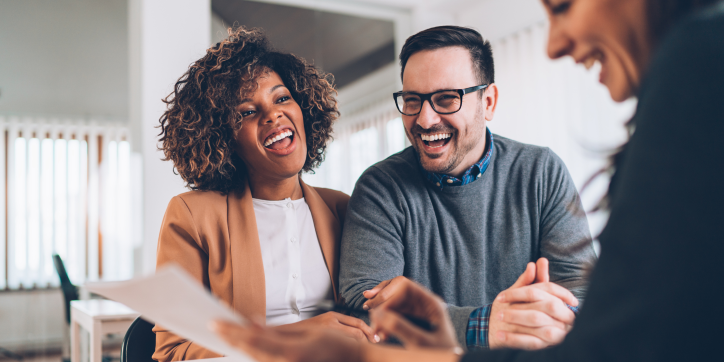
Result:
<point x="473" y="173"/>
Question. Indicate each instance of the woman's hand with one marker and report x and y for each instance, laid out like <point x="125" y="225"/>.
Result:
<point x="274" y="344"/>
<point x="341" y="324"/>
<point x="410" y="298"/>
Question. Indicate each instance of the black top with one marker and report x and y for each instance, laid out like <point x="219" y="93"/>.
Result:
<point x="656" y="293"/>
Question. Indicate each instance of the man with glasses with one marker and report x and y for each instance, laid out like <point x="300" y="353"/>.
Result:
<point x="463" y="211"/>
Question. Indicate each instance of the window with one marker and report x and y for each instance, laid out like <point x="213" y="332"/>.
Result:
<point x="364" y="146"/>
<point x="395" y="136"/>
<point x="67" y="192"/>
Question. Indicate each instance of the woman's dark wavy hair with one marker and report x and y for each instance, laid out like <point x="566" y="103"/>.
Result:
<point x="661" y="17"/>
<point x="199" y="125"/>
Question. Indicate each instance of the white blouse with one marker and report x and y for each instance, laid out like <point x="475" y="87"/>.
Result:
<point x="295" y="273"/>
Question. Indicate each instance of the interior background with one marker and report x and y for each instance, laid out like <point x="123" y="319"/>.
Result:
<point x="110" y="62"/>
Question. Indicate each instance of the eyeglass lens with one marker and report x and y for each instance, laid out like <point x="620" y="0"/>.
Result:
<point x="442" y="102"/>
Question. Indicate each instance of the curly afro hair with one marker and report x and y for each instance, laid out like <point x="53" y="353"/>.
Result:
<point x="201" y="119"/>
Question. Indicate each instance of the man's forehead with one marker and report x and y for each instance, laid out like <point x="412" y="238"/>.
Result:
<point x="444" y="68"/>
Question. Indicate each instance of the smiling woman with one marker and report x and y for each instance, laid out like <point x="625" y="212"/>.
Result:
<point x="241" y="125"/>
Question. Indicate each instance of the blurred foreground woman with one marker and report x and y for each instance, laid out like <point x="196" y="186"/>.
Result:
<point x="241" y="126"/>
<point x="655" y="292"/>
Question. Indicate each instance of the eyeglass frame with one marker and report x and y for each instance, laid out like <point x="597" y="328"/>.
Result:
<point x="428" y="97"/>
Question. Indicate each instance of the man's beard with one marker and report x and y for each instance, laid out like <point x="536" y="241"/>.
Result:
<point x="465" y="141"/>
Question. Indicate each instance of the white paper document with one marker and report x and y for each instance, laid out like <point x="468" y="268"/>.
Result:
<point x="174" y="300"/>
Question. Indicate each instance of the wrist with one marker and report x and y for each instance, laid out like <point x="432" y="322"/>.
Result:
<point x="367" y="353"/>
<point x="375" y="353"/>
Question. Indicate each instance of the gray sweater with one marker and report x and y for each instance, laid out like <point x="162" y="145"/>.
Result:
<point x="465" y="243"/>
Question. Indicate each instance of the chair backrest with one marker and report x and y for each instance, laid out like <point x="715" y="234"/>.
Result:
<point x="139" y="342"/>
<point x="70" y="291"/>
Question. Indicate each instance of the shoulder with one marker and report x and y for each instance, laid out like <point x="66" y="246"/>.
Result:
<point x="522" y="155"/>
<point x="400" y="166"/>
<point x="332" y="198"/>
<point x="684" y="81"/>
<point x="200" y="200"/>
<point x="204" y="207"/>
<point x="690" y="55"/>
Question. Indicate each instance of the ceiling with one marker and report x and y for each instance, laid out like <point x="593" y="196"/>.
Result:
<point x="349" y="47"/>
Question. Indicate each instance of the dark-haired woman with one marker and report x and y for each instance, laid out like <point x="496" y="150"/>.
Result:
<point x="656" y="292"/>
<point x="241" y="126"/>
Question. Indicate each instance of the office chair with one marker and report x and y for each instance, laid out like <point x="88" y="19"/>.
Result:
<point x="70" y="291"/>
<point x="10" y="354"/>
<point x="139" y="343"/>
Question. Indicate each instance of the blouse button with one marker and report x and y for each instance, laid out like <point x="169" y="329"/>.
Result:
<point x="294" y="275"/>
<point x="293" y="239"/>
<point x="289" y="205"/>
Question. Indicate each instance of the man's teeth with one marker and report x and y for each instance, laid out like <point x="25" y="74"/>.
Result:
<point x="435" y="137"/>
<point x="278" y="137"/>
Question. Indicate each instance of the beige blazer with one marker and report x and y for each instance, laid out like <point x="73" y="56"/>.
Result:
<point x="214" y="237"/>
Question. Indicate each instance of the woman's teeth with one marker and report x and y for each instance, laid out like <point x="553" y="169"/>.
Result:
<point x="435" y="137"/>
<point x="278" y="137"/>
<point x="591" y="60"/>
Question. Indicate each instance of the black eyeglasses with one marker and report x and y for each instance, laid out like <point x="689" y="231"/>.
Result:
<point x="443" y="102"/>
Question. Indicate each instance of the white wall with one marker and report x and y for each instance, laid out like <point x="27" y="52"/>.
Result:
<point x="64" y="58"/>
<point x="32" y="320"/>
<point x="495" y="19"/>
<point x="166" y="36"/>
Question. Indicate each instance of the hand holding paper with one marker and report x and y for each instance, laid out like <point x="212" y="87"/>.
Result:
<point x="173" y="299"/>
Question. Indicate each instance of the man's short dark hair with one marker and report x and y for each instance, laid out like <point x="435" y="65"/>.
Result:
<point x="481" y="53"/>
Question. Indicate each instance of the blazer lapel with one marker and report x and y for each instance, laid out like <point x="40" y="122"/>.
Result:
<point x="329" y="232"/>
<point x="249" y="294"/>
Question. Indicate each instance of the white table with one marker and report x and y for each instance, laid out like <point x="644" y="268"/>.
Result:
<point x="99" y="317"/>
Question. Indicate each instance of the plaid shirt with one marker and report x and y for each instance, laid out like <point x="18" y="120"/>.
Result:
<point x="476" y="336"/>
<point x="441" y="181"/>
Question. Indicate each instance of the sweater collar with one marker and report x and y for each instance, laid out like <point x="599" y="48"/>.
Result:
<point x="441" y="181"/>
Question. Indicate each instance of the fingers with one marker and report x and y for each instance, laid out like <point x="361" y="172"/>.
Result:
<point x="552" y="308"/>
<point x="360" y="325"/>
<point x="351" y="332"/>
<point x="527" y="277"/>
<point x="520" y="341"/>
<point x="383" y="292"/>
<point x="548" y="334"/>
<point x="388" y="323"/>
<point x="369" y="294"/>
<point x="541" y="274"/>
<point x="537" y="292"/>
<point x="530" y="318"/>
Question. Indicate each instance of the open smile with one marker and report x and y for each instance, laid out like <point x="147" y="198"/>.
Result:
<point x="281" y="141"/>
<point x="591" y="59"/>
<point x="435" y="142"/>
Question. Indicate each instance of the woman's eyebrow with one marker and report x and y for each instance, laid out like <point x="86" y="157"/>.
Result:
<point x="275" y="87"/>
<point x="245" y="100"/>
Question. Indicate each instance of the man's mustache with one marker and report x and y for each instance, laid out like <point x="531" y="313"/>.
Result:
<point x="438" y="128"/>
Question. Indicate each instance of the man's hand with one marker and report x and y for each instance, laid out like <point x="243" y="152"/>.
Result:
<point x="531" y="316"/>
<point x="410" y="298"/>
<point x="341" y="324"/>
